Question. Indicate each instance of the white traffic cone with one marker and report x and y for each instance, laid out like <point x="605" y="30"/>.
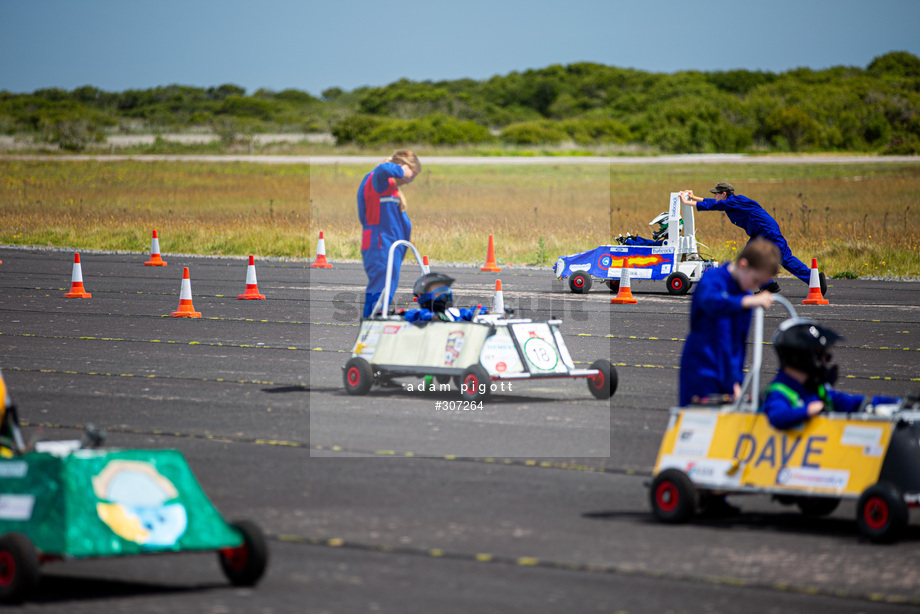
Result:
<point x="186" y="309"/>
<point x="498" y="301"/>
<point x="155" y="259"/>
<point x="76" y="281"/>
<point x="321" y="262"/>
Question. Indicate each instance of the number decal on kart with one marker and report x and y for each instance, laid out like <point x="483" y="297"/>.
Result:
<point x="541" y="354"/>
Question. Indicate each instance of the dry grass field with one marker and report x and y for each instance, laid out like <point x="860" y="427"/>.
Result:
<point x="858" y="219"/>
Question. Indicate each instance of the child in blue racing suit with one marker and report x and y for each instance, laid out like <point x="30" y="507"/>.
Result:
<point x="748" y="215"/>
<point x="435" y="299"/>
<point x="382" y="212"/>
<point x="712" y="362"/>
<point x="802" y="388"/>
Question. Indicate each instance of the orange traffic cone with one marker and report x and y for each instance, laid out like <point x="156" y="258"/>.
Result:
<point x="815" y="297"/>
<point x="252" y="287"/>
<point x="498" y="301"/>
<point x="491" y="266"/>
<point x="321" y="262"/>
<point x="186" y="309"/>
<point x="425" y="266"/>
<point x="155" y="259"/>
<point x="624" y="294"/>
<point x="76" y="281"/>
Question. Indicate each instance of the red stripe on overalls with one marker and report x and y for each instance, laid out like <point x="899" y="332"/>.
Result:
<point x="372" y="209"/>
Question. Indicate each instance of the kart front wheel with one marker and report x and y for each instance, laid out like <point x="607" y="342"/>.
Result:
<point x="358" y="376"/>
<point x="245" y="564"/>
<point x="614" y="285"/>
<point x="881" y="513"/>
<point x="673" y="496"/>
<point x="678" y="283"/>
<point x="604" y="384"/>
<point x="18" y="568"/>
<point x="475" y="384"/>
<point x="579" y="283"/>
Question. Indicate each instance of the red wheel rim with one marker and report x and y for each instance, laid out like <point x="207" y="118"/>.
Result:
<point x="666" y="496"/>
<point x="875" y="513"/>
<point x="579" y="282"/>
<point x="471" y="382"/>
<point x="7" y="568"/>
<point x="597" y="382"/>
<point x="236" y="558"/>
<point x="354" y="376"/>
<point x="677" y="284"/>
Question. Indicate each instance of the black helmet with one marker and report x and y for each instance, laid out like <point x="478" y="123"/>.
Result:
<point x="803" y="344"/>
<point x="432" y="291"/>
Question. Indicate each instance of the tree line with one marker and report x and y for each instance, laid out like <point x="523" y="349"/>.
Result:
<point x="872" y="109"/>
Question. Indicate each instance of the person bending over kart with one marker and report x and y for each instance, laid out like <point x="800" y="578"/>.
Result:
<point x="751" y="217"/>
<point x="802" y="387"/>
<point x="383" y="217"/>
<point x="658" y="236"/>
<point x="435" y="299"/>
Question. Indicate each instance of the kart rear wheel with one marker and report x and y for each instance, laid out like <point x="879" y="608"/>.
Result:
<point x="881" y="513"/>
<point x="817" y="506"/>
<point x="580" y="282"/>
<point x="614" y="285"/>
<point x="475" y="384"/>
<point x="604" y="384"/>
<point x="358" y="376"/>
<point x="245" y="564"/>
<point x="18" y="568"/>
<point x="673" y="496"/>
<point x="678" y="283"/>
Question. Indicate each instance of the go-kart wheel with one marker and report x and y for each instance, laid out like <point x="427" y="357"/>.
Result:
<point x="475" y="384"/>
<point x="604" y="384"/>
<point x="678" y="283"/>
<point x="614" y="285"/>
<point x="881" y="513"/>
<point x="442" y="379"/>
<point x="245" y="564"/>
<point x="817" y="506"/>
<point x="358" y="376"/>
<point x="580" y="282"/>
<point x="18" y="567"/>
<point x="673" y="496"/>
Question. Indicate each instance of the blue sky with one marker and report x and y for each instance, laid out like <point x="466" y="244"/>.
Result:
<point x="307" y="45"/>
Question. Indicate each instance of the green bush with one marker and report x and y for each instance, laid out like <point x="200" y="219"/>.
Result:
<point x="533" y="133"/>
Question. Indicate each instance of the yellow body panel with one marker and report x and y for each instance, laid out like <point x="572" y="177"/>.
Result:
<point x="834" y="454"/>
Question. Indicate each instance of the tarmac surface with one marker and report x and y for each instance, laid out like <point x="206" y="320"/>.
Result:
<point x="386" y="503"/>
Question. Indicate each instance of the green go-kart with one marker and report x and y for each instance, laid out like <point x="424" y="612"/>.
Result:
<point x="63" y="500"/>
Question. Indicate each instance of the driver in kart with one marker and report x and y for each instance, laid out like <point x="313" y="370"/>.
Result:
<point x="435" y="299"/>
<point x="802" y="388"/>
<point x="658" y="236"/>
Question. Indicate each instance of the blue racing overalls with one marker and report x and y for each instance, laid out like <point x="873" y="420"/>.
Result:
<point x="383" y="224"/>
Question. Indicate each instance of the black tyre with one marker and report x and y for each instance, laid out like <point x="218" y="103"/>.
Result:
<point x="18" y="568"/>
<point x="673" y="496"/>
<point x="881" y="513"/>
<point x="604" y="384"/>
<point x="817" y="506"/>
<point x="475" y="384"/>
<point x="442" y="379"/>
<point x="614" y="285"/>
<point x="358" y="376"/>
<point x="580" y="282"/>
<point x="678" y="283"/>
<point x="245" y="565"/>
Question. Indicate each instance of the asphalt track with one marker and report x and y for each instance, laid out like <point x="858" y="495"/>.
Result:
<point x="384" y="503"/>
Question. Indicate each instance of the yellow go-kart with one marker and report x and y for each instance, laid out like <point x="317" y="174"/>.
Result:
<point x="872" y="457"/>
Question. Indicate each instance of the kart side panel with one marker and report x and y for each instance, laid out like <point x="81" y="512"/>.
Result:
<point x="830" y="455"/>
<point x="452" y="345"/>
<point x="606" y="262"/>
<point x="112" y="502"/>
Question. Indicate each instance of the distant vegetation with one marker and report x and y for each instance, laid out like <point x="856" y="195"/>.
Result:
<point x="583" y="105"/>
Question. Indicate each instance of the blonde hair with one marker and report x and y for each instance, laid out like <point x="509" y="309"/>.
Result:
<point x="761" y="255"/>
<point x="407" y="157"/>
